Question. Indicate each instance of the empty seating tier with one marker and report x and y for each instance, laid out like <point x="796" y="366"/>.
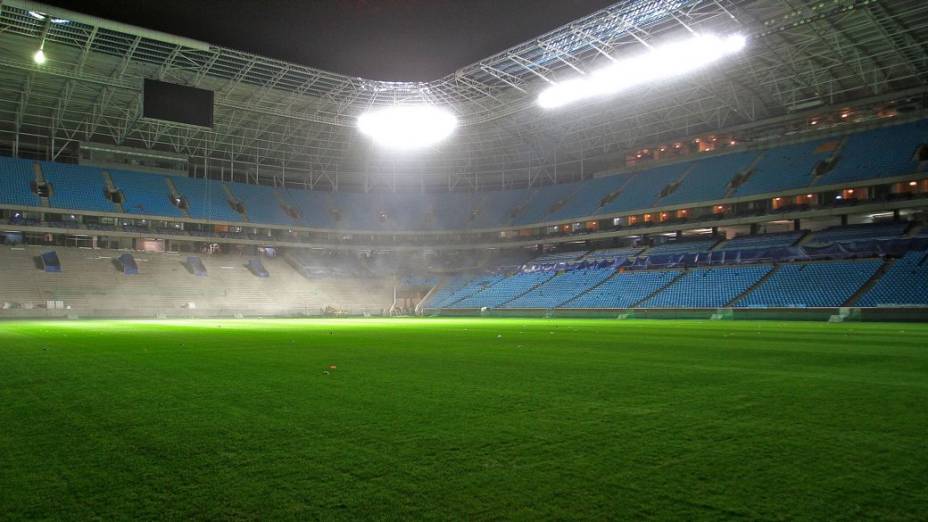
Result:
<point x="146" y="194"/>
<point x="561" y="288"/>
<point x="883" y="153"/>
<point x="708" y="287"/>
<point x="780" y="240"/>
<point x="16" y="178"/>
<point x="904" y="284"/>
<point x="557" y="257"/>
<point x="503" y="290"/>
<point x="206" y="199"/>
<point x="263" y="204"/>
<point x="681" y="247"/>
<point x="820" y="284"/>
<point x="75" y="187"/>
<point x="890" y="230"/>
<point x="623" y="290"/>
<point x="460" y="288"/>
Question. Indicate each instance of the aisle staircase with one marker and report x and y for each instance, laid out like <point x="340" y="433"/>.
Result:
<point x="661" y="289"/>
<point x="40" y="180"/>
<point x="762" y="280"/>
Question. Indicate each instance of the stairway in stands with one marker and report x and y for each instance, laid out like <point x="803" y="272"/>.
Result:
<point x="762" y="280"/>
<point x="40" y="180"/>
<point x="91" y="285"/>
<point x="112" y="188"/>
<point x="232" y="198"/>
<point x="172" y="188"/>
<point x="661" y="289"/>
<point x="588" y="290"/>
<point x="552" y="276"/>
<point x="887" y="264"/>
<point x="730" y="191"/>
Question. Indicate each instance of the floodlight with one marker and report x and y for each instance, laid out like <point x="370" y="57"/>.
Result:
<point x="407" y="127"/>
<point x="41" y="16"/>
<point x="39" y="57"/>
<point x="659" y="63"/>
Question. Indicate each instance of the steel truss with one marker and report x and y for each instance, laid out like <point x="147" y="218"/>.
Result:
<point x="278" y="122"/>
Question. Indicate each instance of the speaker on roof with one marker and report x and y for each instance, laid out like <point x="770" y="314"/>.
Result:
<point x="177" y="103"/>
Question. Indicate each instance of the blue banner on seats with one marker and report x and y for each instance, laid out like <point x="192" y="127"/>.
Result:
<point x="196" y="266"/>
<point x="257" y="268"/>
<point x="50" y="262"/>
<point x="128" y="264"/>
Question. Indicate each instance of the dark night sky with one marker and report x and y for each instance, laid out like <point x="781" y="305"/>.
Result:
<point x="380" y="39"/>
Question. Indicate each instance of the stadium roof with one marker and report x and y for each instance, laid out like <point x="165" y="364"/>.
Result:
<point x="274" y="117"/>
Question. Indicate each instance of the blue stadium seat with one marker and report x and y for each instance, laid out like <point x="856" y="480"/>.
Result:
<point x="147" y="194"/>
<point x="787" y="167"/>
<point x="76" y="187"/>
<point x="879" y="153"/>
<point x="682" y="247"/>
<point x="495" y="209"/>
<point x="613" y="253"/>
<point x="863" y="232"/>
<point x="541" y="202"/>
<point x="561" y="288"/>
<point x="777" y="240"/>
<point x="400" y="211"/>
<point x="503" y="290"/>
<point x="820" y="284"/>
<point x="206" y="199"/>
<point x="904" y="284"/>
<point x="644" y="188"/>
<point x="460" y="287"/>
<point x="16" y="178"/>
<point x="870" y="154"/>
<point x="451" y="211"/>
<point x="262" y="204"/>
<point x="708" y="287"/>
<point x="623" y="290"/>
<point x="316" y="207"/>
<point x="585" y="200"/>
<point x="557" y="257"/>
<point x="708" y="178"/>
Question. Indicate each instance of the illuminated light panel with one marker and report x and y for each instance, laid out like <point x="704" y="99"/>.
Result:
<point x="39" y="57"/>
<point x="41" y="16"/>
<point x="660" y="63"/>
<point x="407" y="127"/>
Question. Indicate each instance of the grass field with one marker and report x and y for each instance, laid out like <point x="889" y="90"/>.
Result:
<point x="463" y="418"/>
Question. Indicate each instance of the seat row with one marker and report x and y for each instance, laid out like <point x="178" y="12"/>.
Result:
<point x="888" y="152"/>
<point x="787" y="285"/>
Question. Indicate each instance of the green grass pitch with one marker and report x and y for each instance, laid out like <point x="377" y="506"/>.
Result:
<point x="463" y="419"/>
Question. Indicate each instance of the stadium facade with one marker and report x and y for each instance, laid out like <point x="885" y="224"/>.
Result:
<point x="792" y="176"/>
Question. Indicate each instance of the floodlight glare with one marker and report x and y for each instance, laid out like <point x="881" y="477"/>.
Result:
<point x="39" y="57"/>
<point x="41" y="16"/>
<point x="660" y="63"/>
<point x="406" y="127"/>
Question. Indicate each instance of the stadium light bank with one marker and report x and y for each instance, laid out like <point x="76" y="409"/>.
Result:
<point x="657" y="64"/>
<point x="407" y="127"/>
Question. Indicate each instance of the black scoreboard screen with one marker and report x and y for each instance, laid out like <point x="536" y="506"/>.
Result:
<point x="177" y="103"/>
